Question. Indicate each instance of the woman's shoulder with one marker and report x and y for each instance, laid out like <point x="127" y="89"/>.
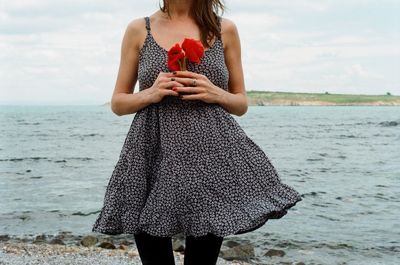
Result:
<point x="136" y="25"/>
<point x="228" y="25"/>
<point x="229" y="31"/>
<point x="135" y="32"/>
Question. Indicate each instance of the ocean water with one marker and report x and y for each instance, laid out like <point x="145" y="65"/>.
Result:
<point x="55" y="162"/>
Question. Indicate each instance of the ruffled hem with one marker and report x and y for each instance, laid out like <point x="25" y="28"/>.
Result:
<point x="196" y="224"/>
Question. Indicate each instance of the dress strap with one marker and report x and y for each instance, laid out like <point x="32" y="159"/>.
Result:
<point x="147" y="23"/>
<point x="219" y="19"/>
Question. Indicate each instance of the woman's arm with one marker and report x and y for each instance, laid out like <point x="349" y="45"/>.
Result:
<point x="234" y="101"/>
<point x="123" y="100"/>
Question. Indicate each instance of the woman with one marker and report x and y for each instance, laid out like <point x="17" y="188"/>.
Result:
<point x="186" y="166"/>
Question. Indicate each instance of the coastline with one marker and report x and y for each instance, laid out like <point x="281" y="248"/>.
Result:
<point x="274" y="98"/>
<point x="67" y="248"/>
<point x="261" y="102"/>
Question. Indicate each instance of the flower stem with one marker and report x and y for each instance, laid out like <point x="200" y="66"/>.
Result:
<point x="184" y="63"/>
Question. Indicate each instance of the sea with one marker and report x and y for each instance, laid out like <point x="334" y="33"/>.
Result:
<point x="55" y="163"/>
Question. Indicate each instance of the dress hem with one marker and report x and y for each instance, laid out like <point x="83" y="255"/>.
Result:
<point x="277" y="214"/>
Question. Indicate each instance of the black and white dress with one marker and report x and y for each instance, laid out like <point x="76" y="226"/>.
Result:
<point x="187" y="166"/>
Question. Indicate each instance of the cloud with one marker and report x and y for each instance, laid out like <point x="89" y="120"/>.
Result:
<point x="358" y="71"/>
<point x="70" y="50"/>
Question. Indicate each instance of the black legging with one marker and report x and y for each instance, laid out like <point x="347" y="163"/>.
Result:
<point x="154" y="250"/>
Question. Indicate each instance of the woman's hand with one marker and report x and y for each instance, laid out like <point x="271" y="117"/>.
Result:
<point x="162" y="87"/>
<point x="204" y="90"/>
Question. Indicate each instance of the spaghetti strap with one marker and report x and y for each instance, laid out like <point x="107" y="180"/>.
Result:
<point x="219" y="22"/>
<point x="147" y="24"/>
<point x="219" y="19"/>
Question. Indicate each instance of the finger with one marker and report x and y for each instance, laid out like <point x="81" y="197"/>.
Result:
<point x="172" y="78"/>
<point x="191" y="97"/>
<point x="166" y="74"/>
<point x="169" y="92"/>
<point x="164" y="77"/>
<point x="189" y="74"/>
<point x="167" y="78"/>
<point x="188" y="81"/>
<point x="188" y="89"/>
<point x="171" y="84"/>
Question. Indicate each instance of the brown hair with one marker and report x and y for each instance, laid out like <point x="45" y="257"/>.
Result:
<point x="205" y="16"/>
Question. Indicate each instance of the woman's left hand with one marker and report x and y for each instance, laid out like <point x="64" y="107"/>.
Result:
<point x="204" y="90"/>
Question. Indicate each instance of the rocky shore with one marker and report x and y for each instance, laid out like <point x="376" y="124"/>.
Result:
<point x="66" y="248"/>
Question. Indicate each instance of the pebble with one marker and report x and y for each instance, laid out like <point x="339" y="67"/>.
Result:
<point x="54" y="254"/>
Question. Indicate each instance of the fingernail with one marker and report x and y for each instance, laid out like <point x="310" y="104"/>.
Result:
<point x="174" y="72"/>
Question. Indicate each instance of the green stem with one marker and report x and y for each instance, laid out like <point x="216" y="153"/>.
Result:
<point x="184" y="63"/>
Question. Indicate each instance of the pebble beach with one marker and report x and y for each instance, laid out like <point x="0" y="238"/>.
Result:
<point x="28" y="253"/>
<point x="91" y="249"/>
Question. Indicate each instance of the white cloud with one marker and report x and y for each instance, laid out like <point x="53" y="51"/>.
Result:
<point x="358" y="71"/>
<point x="69" y="50"/>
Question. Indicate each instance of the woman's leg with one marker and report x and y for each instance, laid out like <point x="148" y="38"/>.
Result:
<point x="154" y="250"/>
<point x="203" y="250"/>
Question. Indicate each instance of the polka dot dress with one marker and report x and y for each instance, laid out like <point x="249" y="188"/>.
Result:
<point x="187" y="166"/>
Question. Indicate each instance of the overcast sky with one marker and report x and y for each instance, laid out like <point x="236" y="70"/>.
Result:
<point x="68" y="51"/>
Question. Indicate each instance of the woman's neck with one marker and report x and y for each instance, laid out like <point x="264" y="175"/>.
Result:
<point x="179" y="9"/>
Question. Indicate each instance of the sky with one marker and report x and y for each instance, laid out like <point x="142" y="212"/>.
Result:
<point x="68" y="52"/>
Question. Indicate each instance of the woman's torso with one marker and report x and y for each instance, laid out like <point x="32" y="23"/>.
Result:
<point x="153" y="60"/>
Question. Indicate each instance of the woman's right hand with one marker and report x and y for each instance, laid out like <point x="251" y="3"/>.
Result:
<point x="162" y="87"/>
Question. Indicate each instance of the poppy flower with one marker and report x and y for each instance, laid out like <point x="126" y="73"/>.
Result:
<point x="191" y="50"/>
<point x="194" y="50"/>
<point x="175" y="58"/>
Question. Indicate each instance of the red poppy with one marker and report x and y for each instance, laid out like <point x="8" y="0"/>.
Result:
<point x="175" y="58"/>
<point x="194" y="50"/>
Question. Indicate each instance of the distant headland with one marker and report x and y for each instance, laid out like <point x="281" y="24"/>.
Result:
<point x="274" y="98"/>
<point x="266" y="98"/>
